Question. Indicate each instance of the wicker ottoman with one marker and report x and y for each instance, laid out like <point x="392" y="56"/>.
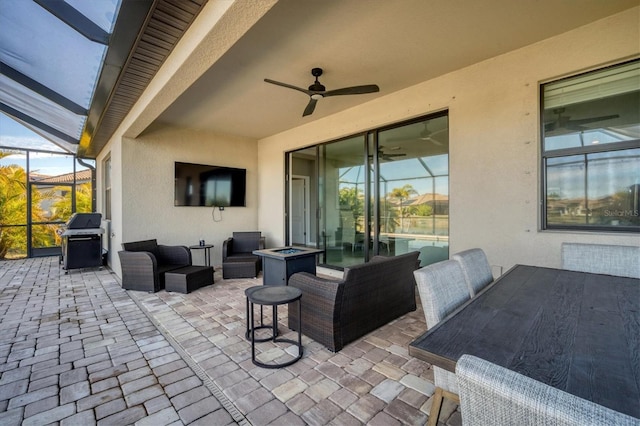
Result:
<point x="188" y="278"/>
<point x="240" y="268"/>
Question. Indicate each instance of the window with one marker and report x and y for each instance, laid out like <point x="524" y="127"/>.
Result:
<point x="591" y="150"/>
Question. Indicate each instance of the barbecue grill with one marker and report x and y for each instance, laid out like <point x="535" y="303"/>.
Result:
<point x="82" y="241"/>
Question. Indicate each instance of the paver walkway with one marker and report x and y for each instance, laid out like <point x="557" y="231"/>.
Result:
<point x="77" y="349"/>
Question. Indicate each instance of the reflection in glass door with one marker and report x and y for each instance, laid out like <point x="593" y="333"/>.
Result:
<point x="343" y="175"/>
<point x="386" y="192"/>
<point x="413" y="182"/>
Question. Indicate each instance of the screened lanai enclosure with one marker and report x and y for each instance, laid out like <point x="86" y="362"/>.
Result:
<point x="51" y="66"/>
<point x="39" y="191"/>
<point x="383" y="192"/>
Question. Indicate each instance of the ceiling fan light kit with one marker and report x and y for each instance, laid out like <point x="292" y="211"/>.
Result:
<point x="317" y="91"/>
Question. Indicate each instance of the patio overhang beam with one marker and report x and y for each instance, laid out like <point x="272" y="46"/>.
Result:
<point x="36" y="123"/>
<point x="41" y="90"/>
<point x="75" y="20"/>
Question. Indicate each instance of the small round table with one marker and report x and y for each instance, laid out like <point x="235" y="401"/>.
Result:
<point x="274" y="296"/>
<point x="207" y="252"/>
<point x="251" y="326"/>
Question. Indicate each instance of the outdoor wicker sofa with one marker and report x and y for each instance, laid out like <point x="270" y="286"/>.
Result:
<point x="336" y="312"/>
<point x="144" y="264"/>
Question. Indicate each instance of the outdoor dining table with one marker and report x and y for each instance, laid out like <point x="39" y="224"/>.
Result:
<point x="575" y="331"/>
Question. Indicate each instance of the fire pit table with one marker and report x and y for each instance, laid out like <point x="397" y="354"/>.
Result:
<point x="278" y="264"/>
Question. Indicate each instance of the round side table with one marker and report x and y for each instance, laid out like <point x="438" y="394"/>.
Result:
<point x="251" y="326"/>
<point x="207" y="252"/>
<point x="275" y="296"/>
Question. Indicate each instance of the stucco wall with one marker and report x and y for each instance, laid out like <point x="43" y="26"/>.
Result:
<point x="148" y="209"/>
<point x="494" y="142"/>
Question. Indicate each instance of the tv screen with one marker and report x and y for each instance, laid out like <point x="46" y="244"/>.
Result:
<point x="212" y="186"/>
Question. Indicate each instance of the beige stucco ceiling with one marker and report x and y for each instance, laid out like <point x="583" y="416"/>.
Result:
<point x="394" y="44"/>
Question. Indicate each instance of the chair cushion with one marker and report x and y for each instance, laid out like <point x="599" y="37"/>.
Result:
<point x="245" y="245"/>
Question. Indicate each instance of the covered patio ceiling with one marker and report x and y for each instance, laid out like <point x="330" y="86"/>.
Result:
<point x="394" y="45"/>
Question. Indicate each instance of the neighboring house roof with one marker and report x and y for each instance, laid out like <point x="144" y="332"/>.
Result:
<point x="428" y="198"/>
<point x="81" y="177"/>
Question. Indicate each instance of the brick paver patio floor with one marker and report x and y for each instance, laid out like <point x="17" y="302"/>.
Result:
<point x="77" y="349"/>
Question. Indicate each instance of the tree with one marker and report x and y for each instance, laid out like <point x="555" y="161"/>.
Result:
<point x="421" y="210"/>
<point x="402" y="194"/>
<point x="351" y="198"/>
<point x="13" y="207"/>
<point x="62" y="209"/>
<point x="13" y="210"/>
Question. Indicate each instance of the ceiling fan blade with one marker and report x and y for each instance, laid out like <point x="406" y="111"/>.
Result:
<point x="432" y="140"/>
<point x="592" y="119"/>
<point x="355" y="90"/>
<point x="310" y="107"/>
<point x="289" y="86"/>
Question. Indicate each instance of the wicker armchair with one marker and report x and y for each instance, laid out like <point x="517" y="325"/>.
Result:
<point x="238" y="260"/>
<point x="337" y="312"/>
<point x="493" y="395"/>
<point x="144" y="264"/>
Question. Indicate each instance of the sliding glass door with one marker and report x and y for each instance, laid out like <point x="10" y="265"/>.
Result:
<point x="384" y="192"/>
<point x="413" y="189"/>
<point x="343" y="172"/>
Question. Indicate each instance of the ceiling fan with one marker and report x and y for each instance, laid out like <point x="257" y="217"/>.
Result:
<point x="425" y="135"/>
<point x="317" y="91"/>
<point x="565" y="122"/>
<point x="389" y="156"/>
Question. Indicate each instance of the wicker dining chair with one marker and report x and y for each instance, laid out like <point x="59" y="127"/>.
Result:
<point x="442" y="288"/>
<point x="476" y="268"/>
<point x="494" y="395"/>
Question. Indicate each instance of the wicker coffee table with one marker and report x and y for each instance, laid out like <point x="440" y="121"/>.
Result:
<point x="275" y="296"/>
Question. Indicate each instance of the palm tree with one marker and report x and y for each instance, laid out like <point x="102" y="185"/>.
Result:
<point x="402" y="194"/>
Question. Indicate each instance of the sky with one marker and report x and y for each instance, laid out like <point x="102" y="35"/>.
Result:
<point x="14" y="135"/>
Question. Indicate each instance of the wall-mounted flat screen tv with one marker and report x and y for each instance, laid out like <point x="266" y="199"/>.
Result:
<point x="212" y="186"/>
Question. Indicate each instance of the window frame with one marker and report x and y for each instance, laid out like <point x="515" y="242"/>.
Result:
<point x="584" y="151"/>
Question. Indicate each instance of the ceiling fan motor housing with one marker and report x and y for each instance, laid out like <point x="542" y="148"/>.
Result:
<point x="317" y="87"/>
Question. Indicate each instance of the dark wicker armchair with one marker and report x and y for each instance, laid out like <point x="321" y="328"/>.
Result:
<point x="238" y="260"/>
<point x="144" y="264"/>
<point x="337" y="312"/>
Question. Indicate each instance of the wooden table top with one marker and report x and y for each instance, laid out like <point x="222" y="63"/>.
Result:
<point x="575" y="331"/>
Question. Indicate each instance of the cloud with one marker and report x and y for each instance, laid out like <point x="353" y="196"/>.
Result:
<point x="27" y="142"/>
